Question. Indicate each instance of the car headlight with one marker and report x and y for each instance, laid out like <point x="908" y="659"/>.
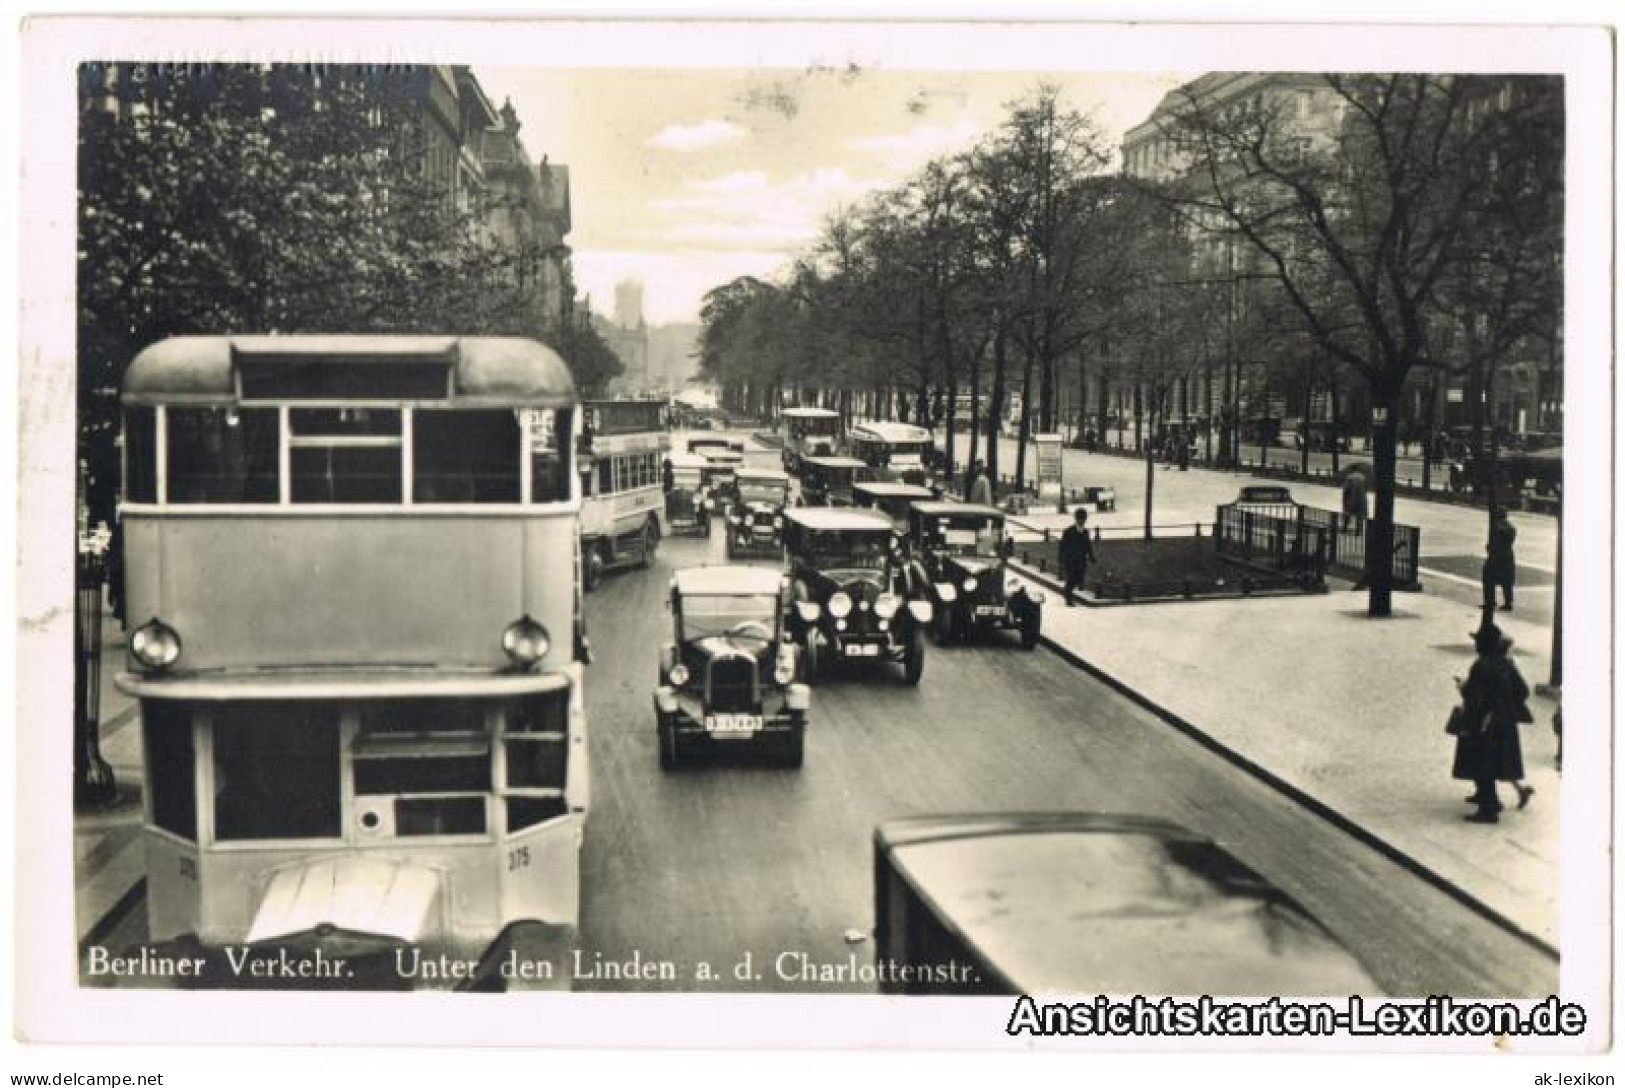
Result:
<point x="968" y="585"/>
<point x="807" y="610"/>
<point x="778" y="523"/>
<point x="155" y="644"/>
<point x="840" y="605"/>
<point x="525" y="641"/>
<point x="784" y="669"/>
<point x="887" y="604"/>
<point x="678" y="674"/>
<point x="710" y="504"/>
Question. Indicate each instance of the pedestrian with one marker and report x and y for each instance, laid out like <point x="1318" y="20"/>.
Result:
<point x="668" y="476"/>
<point x="1353" y="500"/>
<point x="1077" y="552"/>
<point x="1500" y="565"/>
<point x="981" y="490"/>
<point x="1494" y="700"/>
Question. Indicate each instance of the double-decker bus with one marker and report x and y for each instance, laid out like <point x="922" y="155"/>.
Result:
<point x="623" y="446"/>
<point x="808" y="432"/>
<point x="897" y="452"/>
<point x="359" y="672"/>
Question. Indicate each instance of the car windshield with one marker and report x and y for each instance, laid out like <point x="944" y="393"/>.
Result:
<point x="762" y="491"/>
<point x="966" y="536"/>
<point x="739" y="615"/>
<point x="848" y="550"/>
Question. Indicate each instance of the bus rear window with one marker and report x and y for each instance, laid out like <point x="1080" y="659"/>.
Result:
<point x="140" y="454"/>
<point x="465" y="456"/>
<point x="276" y="771"/>
<point x="222" y="455"/>
<point x="345" y="455"/>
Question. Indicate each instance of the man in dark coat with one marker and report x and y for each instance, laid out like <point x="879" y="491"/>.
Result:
<point x="1493" y="701"/>
<point x="1500" y="565"/>
<point x="1077" y="552"/>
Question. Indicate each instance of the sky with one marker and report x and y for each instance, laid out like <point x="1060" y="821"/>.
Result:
<point x="684" y="179"/>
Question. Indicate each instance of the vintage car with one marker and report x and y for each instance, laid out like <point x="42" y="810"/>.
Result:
<point x="755" y="514"/>
<point x="717" y="479"/>
<point x="685" y="505"/>
<point x="1089" y="903"/>
<point x="827" y="481"/>
<point x="961" y="558"/>
<point x="891" y="499"/>
<point x="852" y="593"/>
<point x="707" y="445"/>
<point x="728" y="677"/>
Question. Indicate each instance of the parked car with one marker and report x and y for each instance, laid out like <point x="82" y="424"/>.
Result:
<point x="853" y="596"/>
<point x="962" y="558"/>
<point x="891" y="499"/>
<point x="728" y="677"/>
<point x="685" y="504"/>
<point x="1086" y="903"/>
<point x="755" y="512"/>
<point x="828" y="481"/>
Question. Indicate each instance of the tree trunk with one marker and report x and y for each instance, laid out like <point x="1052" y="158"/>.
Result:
<point x="1150" y="479"/>
<point x="995" y="402"/>
<point x="1026" y="420"/>
<point x="973" y="431"/>
<point x="1306" y="429"/>
<point x="1334" y="426"/>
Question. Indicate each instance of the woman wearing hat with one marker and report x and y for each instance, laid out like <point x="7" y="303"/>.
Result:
<point x="1493" y="699"/>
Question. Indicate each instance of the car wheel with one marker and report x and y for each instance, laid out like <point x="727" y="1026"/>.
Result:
<point x="1030" y="625"/>
<point x="914" y="657"/>
<point x="669" y="756"/>
<point x="810" y="661"/>
<point x="651" y="544"/>
<point x="593" y="576"/>
<point x="794" y="747"/>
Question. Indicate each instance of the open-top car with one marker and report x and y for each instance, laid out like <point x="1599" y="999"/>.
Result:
<point x="853" y="595"/>
<point x="891" y="499"/>
<point x="756" y="512"/>
<point x="961" y="557"/>
<point x="685" y="505"/>
<point x="728" y="677"/>
<point x="827" y="481"/>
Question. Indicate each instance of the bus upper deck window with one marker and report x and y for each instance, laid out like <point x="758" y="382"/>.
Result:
<point x="140" y="453"/>
<point x="550" y="455"/>
<point x="344" y="455"/>
<point x="465" y="456"/>
<point x="222" y="454"/>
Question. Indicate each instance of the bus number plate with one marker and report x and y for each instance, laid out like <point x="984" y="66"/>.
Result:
<point x="733" y="723"/>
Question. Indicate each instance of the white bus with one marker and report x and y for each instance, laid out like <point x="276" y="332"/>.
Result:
<point x="623" y="447"/>
<point x="808" y="432"/>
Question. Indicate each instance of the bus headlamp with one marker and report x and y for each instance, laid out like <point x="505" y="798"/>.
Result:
<point x="840" y="605"/>
<point x="678" y="674"/>
<point x="525" y="641"/>
<point x="155" y="644"/>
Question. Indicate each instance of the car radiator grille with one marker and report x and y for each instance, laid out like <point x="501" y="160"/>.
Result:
<point x="731" y="685"/>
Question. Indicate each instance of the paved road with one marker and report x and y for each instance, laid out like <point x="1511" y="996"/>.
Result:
<point x="712" y="862"/>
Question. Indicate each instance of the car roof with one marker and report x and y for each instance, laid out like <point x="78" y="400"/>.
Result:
<point x="808" y="413"/>
<point x="512" y="370"/>
<point x="835" y="461"/>
<point x="937" y="509"/>
<point x="838" y="517"/>
<point x="1069" y="902"/>
<point x="700" y="581"/>
<point x="776" y="474"/>
<point x="892" y="431"/>
<point x="680" y="459"/>
<point x="887" y="487"/>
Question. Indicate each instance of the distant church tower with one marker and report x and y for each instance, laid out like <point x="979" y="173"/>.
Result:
<point x="630" y="337"/>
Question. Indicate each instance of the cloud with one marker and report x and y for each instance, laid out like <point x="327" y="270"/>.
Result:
<point x="906" y="150"/>
<point x="674" y="281"/>
<point x="699" y="135"/>
<point x="749" y="210"/>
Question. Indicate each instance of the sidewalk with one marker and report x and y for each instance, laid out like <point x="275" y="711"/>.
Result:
<point x="1349" y="713"/>
<point x="107" y="850"/>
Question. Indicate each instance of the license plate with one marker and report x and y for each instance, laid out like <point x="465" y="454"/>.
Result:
<point x="762" y="530"/>
<point x="733" y="723"/>
<point x="989" y="610"/>
<point x="862" y="649"/>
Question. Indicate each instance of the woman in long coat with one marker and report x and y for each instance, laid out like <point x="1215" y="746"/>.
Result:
<point x="1487" y="748"/>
